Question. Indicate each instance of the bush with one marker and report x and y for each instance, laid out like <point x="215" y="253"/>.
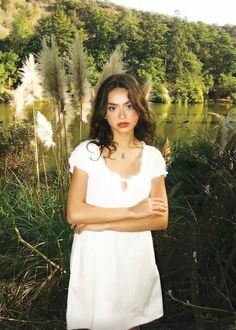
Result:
<point x="16" y="151"/>
<point x="197" y="253"/>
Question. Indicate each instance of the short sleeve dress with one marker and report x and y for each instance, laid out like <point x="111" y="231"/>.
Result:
<point x="114" y="280"/>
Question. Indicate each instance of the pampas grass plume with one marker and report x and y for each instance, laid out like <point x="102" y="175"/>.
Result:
<point x="115" y="65"/>
<point x="44" y="131"/>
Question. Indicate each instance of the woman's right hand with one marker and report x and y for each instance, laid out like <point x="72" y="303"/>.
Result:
<point x="149" y="206"/>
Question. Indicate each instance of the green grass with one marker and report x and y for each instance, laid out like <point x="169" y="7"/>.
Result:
<point x="195" y="255"/>
<point x="34" y="264"/>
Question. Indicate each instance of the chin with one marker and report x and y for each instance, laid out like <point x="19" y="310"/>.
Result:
<point x="124" y="130"/>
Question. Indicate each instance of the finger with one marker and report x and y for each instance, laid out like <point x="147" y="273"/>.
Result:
<point x="159" y="202"/>
<point x="161" y="206"/>
<point x="161" y="209"/>
<point x="158" y="212"/>
<point x="157" y="199"/>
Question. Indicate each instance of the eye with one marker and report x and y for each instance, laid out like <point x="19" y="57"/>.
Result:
<point x="111" y="108"/>
<point x="129" y="106"/>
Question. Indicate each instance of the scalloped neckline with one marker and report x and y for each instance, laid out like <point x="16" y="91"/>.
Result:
<point x="130" y="177"/>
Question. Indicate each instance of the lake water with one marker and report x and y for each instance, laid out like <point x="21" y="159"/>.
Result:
<point x="175" y="122"/>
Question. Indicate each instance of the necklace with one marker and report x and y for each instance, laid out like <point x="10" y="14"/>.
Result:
<point x="123" y="155"/>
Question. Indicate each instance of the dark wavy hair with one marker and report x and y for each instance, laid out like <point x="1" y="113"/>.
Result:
<point x="100" y="131"/>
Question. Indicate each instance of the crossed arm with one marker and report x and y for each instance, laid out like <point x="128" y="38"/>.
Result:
<point x="150" y="214"/>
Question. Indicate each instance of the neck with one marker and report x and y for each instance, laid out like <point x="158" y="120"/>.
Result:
<point x="125" y="141"/>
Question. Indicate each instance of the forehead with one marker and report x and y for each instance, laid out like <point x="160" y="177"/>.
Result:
<point x="118" y="95"/>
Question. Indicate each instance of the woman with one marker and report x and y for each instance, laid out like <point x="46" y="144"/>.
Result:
<point x="116" y="197"/>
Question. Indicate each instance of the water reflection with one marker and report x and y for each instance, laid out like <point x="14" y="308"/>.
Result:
<point x="174" y="122"/>
<point x="187" y="122"/>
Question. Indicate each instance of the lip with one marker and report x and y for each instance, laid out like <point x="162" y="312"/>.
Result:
<point x="123" y="124"/>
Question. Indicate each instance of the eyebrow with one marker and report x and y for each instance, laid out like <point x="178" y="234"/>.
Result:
<point x="109" y="103"/>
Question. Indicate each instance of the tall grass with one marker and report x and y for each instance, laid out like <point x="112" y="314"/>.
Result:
<point x="196" y="253"/>
<point x="195" y="256"/>
<point x="35" y="246"/>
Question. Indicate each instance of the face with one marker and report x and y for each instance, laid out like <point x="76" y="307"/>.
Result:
<point x="120" y="114"/>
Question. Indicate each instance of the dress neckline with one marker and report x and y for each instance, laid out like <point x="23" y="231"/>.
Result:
<point x="118" y="174"/>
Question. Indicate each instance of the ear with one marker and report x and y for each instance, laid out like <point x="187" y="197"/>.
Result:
<point x="147" y="88"/>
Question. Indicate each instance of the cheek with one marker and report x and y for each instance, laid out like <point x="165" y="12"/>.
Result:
<point x="134" y="117"/>
<point x="109" y="117"/>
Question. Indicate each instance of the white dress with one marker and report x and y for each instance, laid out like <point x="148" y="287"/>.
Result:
<point x="114" y="280"/>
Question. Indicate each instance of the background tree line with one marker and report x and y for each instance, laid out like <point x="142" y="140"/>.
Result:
<point x="188" y="62"/>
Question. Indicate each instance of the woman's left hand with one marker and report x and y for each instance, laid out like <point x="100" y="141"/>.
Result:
<point x="92" y="227"/>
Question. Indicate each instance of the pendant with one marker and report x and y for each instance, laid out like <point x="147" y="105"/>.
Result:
<point x="124" y="185"/>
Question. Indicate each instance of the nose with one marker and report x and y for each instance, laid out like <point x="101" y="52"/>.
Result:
<point x="122" y="113"/>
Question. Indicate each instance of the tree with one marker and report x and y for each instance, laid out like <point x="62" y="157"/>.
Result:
<point x="63" y="30"/>
<point x="226" y="85"/>
<point x="153" y="55"/>
<point x="184" y="70"/>
<point x="20" y="33"/>
<point x="100" y="25"/>
<point x="58" y="25"/>
<point x="216" y="50"/>
<point x="8" y="69"/>
<point x="3" y="77"/>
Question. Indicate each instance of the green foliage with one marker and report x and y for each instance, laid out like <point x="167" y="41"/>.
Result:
<point x="20" y="33"/>
<point x="8" y="69"/>
<point x="3" y="77"/>
<point x="188" y="62"/>
<point x="58" y="25"/>
<point x="99" y="24"/>
<point x="226" y="85"/>
<point x="32" y="287"/>
<point x="16" y="152"/>
<point x="196" y="253"/>
<point x="231" y="30"/>
<point x="216" y="50"/>
<point x="63" y="29"/>
<point x="184" y="70"/>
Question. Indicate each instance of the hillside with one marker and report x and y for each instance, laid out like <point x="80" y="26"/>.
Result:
<point x="188" y="62"/>
<point x="34" y="9"/>
<point x="37" y="9"/>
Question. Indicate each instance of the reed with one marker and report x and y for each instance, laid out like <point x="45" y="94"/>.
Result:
<point x="79" y="77"/>
<point x="44" y="133"/>
<point x="54" y="83"/>
<point x="114" y="65"/>
<point x="27" y="93"/>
